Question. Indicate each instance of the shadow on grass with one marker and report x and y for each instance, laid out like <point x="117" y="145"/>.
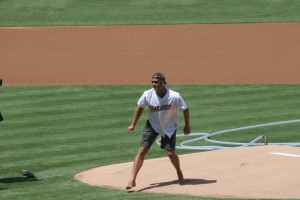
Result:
<point x="187" y="182"/>
<point x="17" y="180"/>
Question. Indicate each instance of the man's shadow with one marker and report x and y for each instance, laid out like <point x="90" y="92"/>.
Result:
<point x="187" y="182"/>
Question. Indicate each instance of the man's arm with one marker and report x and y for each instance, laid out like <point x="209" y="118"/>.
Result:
<point x="137" y="114"/>
<point x="187" y="127"/>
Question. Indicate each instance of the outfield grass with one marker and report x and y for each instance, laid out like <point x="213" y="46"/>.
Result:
<point x="128" y="12"/>
<point x="57" y="131"/>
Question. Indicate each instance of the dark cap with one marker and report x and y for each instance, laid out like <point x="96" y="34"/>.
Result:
<point x="159" y="76"/>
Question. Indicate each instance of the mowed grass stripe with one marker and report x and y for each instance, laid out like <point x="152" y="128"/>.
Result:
<point x="61" y="97"/>
<point x="54" y="127"/>
<point x="246" y="105"/>
<point x="57" y="140"/>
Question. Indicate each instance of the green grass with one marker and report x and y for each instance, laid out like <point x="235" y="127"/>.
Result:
<point x="128" y="12"/>
<point x="58" y="131"/>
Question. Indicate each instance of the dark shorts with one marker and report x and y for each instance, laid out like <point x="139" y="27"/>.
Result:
<point x="150" y="135"/>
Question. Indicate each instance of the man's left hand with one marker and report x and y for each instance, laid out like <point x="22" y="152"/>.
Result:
<point x="187" y="130"/>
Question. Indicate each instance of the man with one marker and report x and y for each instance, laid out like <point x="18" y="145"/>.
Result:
<point x="163" y="105"/>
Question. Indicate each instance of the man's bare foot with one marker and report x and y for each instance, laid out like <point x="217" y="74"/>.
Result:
<point x="181" y="180"/>
<point x="130" y="185"/>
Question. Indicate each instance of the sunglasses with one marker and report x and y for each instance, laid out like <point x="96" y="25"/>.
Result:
<point x="155" y="82"/>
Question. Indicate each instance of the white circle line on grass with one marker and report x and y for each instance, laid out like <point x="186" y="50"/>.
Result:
<point x="207" y="137"/>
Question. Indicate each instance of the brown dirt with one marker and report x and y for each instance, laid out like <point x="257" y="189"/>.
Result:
<point x="187" y="54"/>
<point x="232" y="173"/>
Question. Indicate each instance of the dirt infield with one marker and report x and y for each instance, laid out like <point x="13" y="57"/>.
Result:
<point x="253" y="172"/>
<point x="187" y="54"/>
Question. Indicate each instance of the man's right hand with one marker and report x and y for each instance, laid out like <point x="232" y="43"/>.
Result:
<point x="130" y="128"/>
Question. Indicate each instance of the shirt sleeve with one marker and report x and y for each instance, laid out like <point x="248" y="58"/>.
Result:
<point x="181" y="104"/>
<point x="142" y="102"/>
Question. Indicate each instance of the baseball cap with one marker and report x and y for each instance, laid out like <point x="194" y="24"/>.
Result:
<point x="159" y="76"/>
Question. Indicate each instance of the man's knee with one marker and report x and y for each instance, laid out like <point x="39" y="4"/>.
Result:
<point x="143" y="151"/>
<point x="171" y="154"/>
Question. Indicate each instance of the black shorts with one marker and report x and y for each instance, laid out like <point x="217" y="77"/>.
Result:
<point x="150" y="135"/>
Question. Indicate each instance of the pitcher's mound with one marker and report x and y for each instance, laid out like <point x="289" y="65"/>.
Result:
<point x="244" y="172"/>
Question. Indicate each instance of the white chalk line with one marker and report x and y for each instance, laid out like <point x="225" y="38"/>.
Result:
<point x="285" y="154"/>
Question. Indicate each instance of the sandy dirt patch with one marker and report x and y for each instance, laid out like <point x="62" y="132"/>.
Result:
<point x="245" y="172"/>
<point x="187" y="54"/>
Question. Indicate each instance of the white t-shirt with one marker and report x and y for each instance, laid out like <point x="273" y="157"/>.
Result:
<point x="163" y="112"/>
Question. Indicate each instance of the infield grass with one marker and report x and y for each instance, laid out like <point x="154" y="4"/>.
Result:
<point x="58" y="131"/>
<point x="129" y="12"/>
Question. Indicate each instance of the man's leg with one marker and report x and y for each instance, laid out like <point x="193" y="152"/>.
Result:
<point x="149" y="136"/>
<point x="176" y="163"/>
<point x="137" y="164"/>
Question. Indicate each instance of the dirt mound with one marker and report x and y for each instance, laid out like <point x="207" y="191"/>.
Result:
<point x="244" y="172"/>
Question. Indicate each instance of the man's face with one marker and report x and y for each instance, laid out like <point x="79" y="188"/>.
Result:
<point x="157" y="84"/>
